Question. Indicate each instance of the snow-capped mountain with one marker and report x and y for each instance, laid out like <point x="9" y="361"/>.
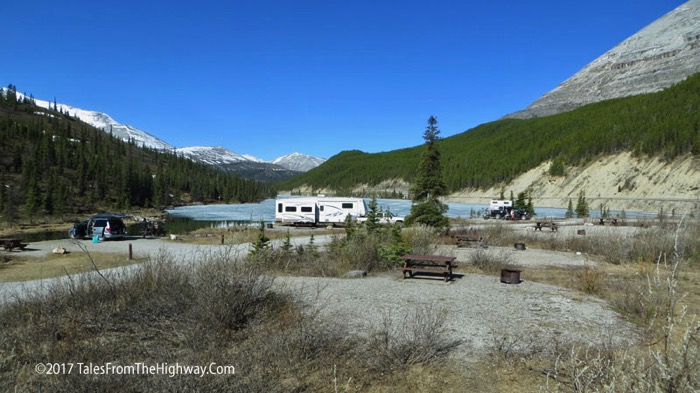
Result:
<point x="660" y="55"/>
<point x="244" y="165"/>
<point x="250" y="166"/>
<point x="213" y="155"/>
<point x="217" y="155"/>
<point x="105" y="122"/>
<point x="298" y="162"/>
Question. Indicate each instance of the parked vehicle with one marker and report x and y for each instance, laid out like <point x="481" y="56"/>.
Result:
<point x="104" y="226"/>
<point x="500" y="208"/>
<point x="78" y="230"/>
<point x="504" y="210"/>
<point x="154" y="229"/>
<point x="384" y="218"/>
<point x="518" y="214"/>
<point x="318" y="210"/>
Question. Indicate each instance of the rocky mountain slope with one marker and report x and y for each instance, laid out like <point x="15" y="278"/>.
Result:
<point x="616" y="182"/>
<point x="658" y="56"/>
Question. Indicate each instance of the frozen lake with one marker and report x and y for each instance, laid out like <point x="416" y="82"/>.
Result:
<point x="265" y="211"/>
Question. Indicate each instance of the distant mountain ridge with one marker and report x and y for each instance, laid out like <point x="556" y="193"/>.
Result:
<point x="660" y="55"/>
<point x="249" y="166"/>
<point x="298" y="162"/>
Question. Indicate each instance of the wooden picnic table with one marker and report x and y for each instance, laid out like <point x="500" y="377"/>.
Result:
<point x="414" y="264"/>
<point x="11" y="243"/>
<point x="466" y="240"/>
<point x="552" y="225"/>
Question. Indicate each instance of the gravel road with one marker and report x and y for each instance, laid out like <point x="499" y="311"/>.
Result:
<point x="480" y="311"/>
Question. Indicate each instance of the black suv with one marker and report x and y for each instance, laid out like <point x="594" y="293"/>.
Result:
<point x="104" y="226"/>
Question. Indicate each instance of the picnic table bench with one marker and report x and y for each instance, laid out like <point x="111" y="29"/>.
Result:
<point x="467" y="240"/>
<point x="415" y="264"/>
<point x="551" y="225"/>
<point x="8" y="244"/>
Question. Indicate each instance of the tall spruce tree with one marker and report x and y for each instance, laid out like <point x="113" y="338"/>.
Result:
<point x="429" y="185"/>
<point x="582" y="209"/>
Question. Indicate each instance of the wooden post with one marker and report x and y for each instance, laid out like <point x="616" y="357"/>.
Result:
<point x="222" y="239"/>
<point x="131" y="252"/>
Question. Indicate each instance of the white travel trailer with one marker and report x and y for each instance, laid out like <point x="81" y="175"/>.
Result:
<point x="318" y="210"/>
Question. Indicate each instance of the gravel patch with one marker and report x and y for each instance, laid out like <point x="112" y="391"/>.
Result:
<point x="482" y="313"/>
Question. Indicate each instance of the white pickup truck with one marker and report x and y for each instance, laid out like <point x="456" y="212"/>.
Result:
<point x="384" y="218"/>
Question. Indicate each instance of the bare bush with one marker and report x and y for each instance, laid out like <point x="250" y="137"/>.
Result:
<point x="499" y="234"/>
<point x="590" y="279"/>
<point x="230" y="293"/>
<point x="422" y="239"/>
<point x="420" y="336"/>
<point x="508" y="346"/>
<point x="489" y="261"/>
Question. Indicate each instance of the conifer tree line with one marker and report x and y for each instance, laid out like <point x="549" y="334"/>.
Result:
<point x="51" y="163"/>
<point x="664" y="124"/>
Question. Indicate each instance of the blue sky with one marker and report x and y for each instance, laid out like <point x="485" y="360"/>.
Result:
<point x="268" y="78"/>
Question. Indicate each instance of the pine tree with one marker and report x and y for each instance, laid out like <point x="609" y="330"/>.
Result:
<point x="262" y="243"/>
<point x="287" y="245"/>
<point x="570" y="210"/>
<point x="429" y="185"/>
<point x="521" y="201"/>
<point x="372" y="223"/>
<point x="530" y="208"/>
<point x="582" y="206"/>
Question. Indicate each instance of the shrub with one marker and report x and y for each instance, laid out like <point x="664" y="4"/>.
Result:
<point x="589" y="279"/>
<point x="420" y="336"/>
<point x="489" y="261"/>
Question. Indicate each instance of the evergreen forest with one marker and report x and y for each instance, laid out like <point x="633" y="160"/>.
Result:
<point x="664" y="124"/>
<point x="54" y="164"/>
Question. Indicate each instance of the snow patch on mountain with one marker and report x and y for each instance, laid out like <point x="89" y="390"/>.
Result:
<point x="221" y="156"/>
<point x="212" y="155"/>
<point x="298" y="162"/>
<point x="106" y="123"/>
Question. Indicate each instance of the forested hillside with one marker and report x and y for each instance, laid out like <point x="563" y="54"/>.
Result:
<point x="51" y="163"/>
<point x="663" y="124"/>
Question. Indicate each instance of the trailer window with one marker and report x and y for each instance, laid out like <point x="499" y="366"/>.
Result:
<point x="290" y="208"/>
<point x="279" y="208"/>
<point x="306" y="209"/>
<point x="347" y="205"/>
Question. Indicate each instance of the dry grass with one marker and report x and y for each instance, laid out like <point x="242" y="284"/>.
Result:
<point x="18" y="268"/>
<point x="226" y="312"/>
<point x="239" y="235"/>
<point x="653" y="280"/>
<point x="222" y="311"/>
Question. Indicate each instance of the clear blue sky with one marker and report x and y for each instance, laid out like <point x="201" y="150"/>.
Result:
<point x="270" y="77"/>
